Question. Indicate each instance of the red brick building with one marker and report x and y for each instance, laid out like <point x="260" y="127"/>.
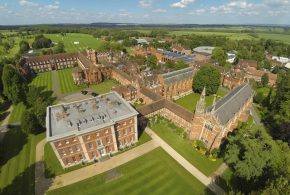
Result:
<point x="127" y="92"/>
<point x="90" y="129"/>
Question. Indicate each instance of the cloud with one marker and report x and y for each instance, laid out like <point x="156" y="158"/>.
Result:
<point x="159" y="10"/>
<point x="145" y="3"/>
<point x="182" y="3"/>
<point x="198" y="12"/>
<point x="27" y="3"/>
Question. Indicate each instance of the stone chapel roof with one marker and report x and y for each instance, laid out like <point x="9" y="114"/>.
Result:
<point x="178" y="75"/>
<point x="228" y="106"/>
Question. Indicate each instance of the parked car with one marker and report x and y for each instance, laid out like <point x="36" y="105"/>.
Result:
<point x="84" y="92"/>
<point x="94" y="94"/>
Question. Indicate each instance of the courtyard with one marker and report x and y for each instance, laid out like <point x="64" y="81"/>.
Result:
<point x="173" y="136"/>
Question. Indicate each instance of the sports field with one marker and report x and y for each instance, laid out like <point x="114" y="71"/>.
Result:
<point x="153" y="173"/>
<point x="65" y="81"/>
<point x="84" y="41"/>
<point x="17" y="162"/>
<point x="43" y="80"/>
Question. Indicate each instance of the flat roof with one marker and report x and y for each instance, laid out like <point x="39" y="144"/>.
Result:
<point x="204" y="49"/>
<point x="87" y="115"/>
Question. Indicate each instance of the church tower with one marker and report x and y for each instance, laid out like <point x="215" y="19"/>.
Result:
<point x="200" y="106"/>
<point x="92" y="56"/>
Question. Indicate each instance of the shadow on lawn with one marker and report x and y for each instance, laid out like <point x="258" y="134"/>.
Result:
<point x="12" y="144"/>
<point x="22" y="184"/>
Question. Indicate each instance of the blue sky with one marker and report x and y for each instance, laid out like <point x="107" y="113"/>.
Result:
<point x="145" y="11"/>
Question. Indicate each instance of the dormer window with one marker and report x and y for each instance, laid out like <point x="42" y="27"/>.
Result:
<point x="208" y="126"/>
<point x="66" y="141"/>
<point x="88" y="137"/>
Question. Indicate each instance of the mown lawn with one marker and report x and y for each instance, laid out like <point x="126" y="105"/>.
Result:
<point x="43" y="80"/>
<point x="153" y="173"/>
<point x="85" y="41"/>
<point x="53" y="167"/>
<point x="170" y="133"/>
<point x="16" y="113"/>
<point x="17" y="162"/>
<point x="65" y="81"/>
<point x="104" y="87"/>
<point x="189" y="102"/>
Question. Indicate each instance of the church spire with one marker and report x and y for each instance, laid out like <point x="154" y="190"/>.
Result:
<point x="200" y="106"/>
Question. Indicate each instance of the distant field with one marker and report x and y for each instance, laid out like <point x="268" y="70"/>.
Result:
<point x="84" y="40"/>
<point x="153" y="173"/>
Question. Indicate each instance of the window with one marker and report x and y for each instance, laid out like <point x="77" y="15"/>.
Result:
<point x="88" y="137"/>
<point x="63" y="152"/>
<point x="81" y="157"/>
<point x="59" y="143"/>
<point x="70" y="150"/>
<point x="99" y="142"/>
<point x="66" y="141"/>
<point x="98" y="134"/>
<point x="125" y="141"/>
<point x="67" y="161"/>
<point x="131" y="121"/>
<point x="110" y="149"/>
<point x="90" y="146"/>
<point x="131" y="138"/>
<point x="93" y="154"/>
<point x="107" y="131"/>
<point x="75" y="139"/>
<point x="74" y="159"/>
<point x="107" y="140"/>
<point x="131" y="129"/>
<point x="124" y="132"/>
<point x="77" y="148"/>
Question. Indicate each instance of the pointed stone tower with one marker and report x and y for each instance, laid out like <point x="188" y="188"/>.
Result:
<point x="200" y="106"/>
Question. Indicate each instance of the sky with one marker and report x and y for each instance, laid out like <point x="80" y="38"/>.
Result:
<point x="145" y="11"/>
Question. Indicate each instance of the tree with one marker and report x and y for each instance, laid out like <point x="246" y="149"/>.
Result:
<point x="277" y="119"/>
<point x="59" y="48"/>
<point x="41" y="41"/>
<point x="23" y="47"/>
<point x="29" y="122"/>
<point x="259" y="97"/>
<point x="13" y="84"/>
<point x="220" y="56"/>
<point x="265" y="79"/>
<point x="151" y="61"/>
<point x="208" y="77"/>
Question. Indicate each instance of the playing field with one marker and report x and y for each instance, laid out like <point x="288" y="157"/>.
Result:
<point x="170" y="133"/>
<point x="43" y="80"/>
<point x="83" y="41"/>
<point x="153" y="173"/>
<point x="17" y="162"/>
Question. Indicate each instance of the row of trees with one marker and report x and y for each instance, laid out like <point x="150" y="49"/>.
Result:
<point x="16" y="90"/>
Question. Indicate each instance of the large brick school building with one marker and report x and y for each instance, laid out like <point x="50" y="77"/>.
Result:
<point x="91" y="129"/>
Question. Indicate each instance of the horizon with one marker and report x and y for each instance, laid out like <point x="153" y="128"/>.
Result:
<point x="221" y="12"/>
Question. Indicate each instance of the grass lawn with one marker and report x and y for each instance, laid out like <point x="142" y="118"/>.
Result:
<point x="153" y="173"/>
<point x="84" y="40"/>
<point x="53" y="167"/>
<point x="16" y="113"/>
<point x="17" y="162"/>
<point x="43" y="80"/>
<point x="65" y="81"/>
<point x="169" y="133"/>
<point x="104" y="87"/>
<point x="66" y="84"/>
<point x="189" y="101"/>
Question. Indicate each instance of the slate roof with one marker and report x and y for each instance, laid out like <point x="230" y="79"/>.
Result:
<point x="150" y="94"/>
<point x="178" y="75"/>
<point x="228" y="106"/>
<point x="163" y="103"/>
<point x="176" y="56"/>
